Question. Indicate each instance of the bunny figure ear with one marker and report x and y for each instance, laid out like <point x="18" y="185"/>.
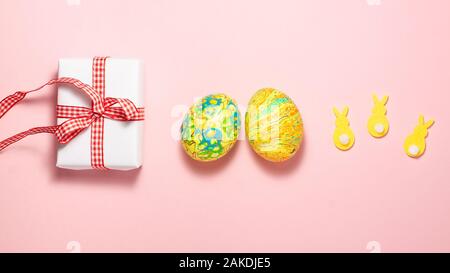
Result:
<point x="421" y="120"/>
<point x="336" y="112"/>
<point x="429" y="123"/>
<point x="345" y="111"/>
<point x="375" y="98"/>
<point x="385" y="99"/>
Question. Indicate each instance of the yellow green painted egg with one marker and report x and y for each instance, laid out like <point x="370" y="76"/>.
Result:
<point x="211" y="127"/>
<point x="273" y="125"/>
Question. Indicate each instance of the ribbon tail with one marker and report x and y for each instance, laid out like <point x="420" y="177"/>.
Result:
<point x="69" y="129"/>
<point x="37" y="130"/>
<point x="10" y="101"/>
<point x="7" y="103"/>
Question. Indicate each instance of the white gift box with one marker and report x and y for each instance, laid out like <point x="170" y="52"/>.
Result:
<point x="123" y="140"/>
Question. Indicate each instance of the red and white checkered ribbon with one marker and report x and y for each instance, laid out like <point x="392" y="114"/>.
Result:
<point x="80" y="118"/>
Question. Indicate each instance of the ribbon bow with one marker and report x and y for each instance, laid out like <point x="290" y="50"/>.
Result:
<point x="80" y="118"/>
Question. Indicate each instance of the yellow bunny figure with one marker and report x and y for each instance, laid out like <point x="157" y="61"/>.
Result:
<point x="415" y="143"/>
<point x="343" y="136"/>
<point x="378" y="123"/>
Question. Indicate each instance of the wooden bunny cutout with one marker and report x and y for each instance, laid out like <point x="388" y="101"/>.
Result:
<point x="343" y="136"/>
<point x="378" y="124"/>
<point x="415" y="143"/>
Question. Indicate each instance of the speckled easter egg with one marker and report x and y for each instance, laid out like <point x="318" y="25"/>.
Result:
<point x="273" y="125"/>
<point x="210" y="127"/>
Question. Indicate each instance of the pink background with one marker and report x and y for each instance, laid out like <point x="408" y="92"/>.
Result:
<point x="323" y="53"/>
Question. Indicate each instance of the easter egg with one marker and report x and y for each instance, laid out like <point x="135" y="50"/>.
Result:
<point x="273" y="125"/>
<point x="211" y="127"/>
